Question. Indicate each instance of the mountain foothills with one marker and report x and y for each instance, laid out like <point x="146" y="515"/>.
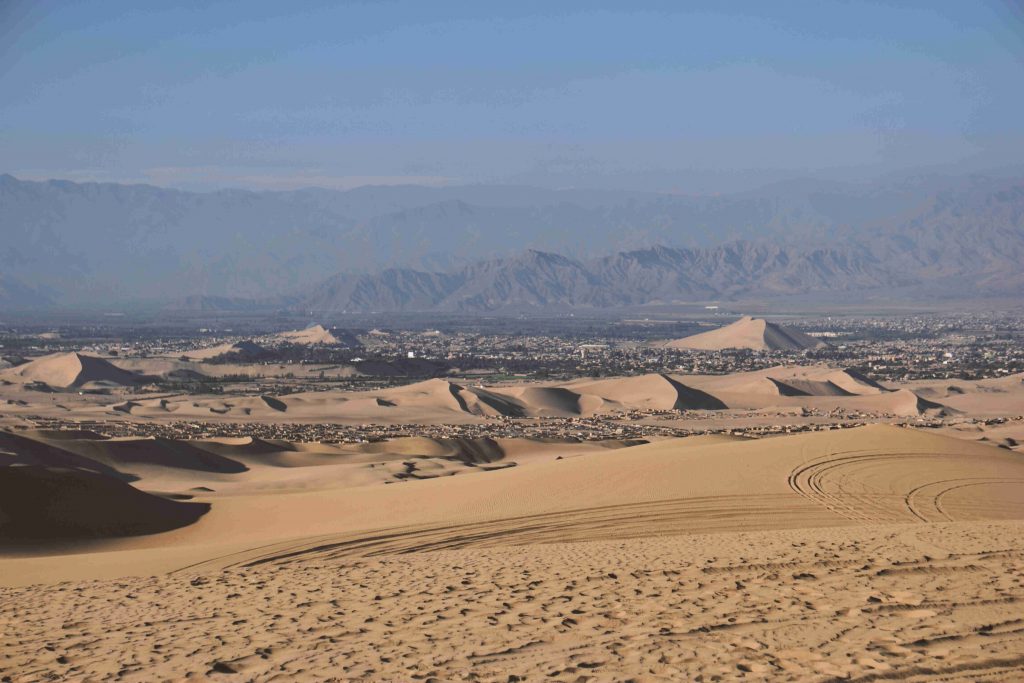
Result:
<point x="482" y="248"/>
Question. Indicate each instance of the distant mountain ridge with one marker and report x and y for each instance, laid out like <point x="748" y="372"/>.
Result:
<point x="410" y="247"/>
<point x="538" y="280"/>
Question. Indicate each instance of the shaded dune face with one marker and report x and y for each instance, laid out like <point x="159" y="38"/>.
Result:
<point x="123" y="455"/>
<point x="17" y="450"/>
<point x="41" y="504"/>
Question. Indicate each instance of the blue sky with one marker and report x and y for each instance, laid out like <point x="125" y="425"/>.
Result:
<point x="677" y="96"/>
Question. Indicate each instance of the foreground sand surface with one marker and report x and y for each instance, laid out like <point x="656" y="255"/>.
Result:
<point x="911" y="602"/>
<point x="869" y="553"/>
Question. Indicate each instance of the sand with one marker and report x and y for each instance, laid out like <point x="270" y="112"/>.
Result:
<point x="917" y="602"/>
<point x="866" y="554"/>
<point x="281" y="502"/>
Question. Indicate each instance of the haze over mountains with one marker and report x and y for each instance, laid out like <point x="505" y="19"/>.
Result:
<point x="483" y="248"/>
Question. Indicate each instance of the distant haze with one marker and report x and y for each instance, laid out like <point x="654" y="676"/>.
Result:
<point x="689" y="98"/>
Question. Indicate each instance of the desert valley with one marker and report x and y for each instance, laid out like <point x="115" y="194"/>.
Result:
<point x="576" y="342"/>
<point x="281" y="520"/>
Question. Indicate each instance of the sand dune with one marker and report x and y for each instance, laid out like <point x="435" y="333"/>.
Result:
<point x="66" y="370"/>
<point x="818" y="387"/>
<point x="444" y="400"/>
<point x="902" y="402"/>
<point x="440" y="400"/>
<point x="314" y="334"/>
<point x="436" y="401"/>
<point x="998" y="396"/>
<point x="21" y="450"/>
<point x="862" y="554"/>
<point x="749" y="333"/>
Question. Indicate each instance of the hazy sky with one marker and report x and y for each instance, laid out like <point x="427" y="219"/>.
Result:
<point x="683" y="96"/>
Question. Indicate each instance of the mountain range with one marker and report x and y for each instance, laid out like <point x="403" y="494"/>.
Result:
<point x="537" y="280"/>
<point x="479" y="248"/>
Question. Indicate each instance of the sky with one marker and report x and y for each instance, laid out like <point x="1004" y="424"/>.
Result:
<point x="690" y="97"/>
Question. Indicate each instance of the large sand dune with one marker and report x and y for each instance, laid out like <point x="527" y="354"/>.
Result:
<point x="749" y="333"/>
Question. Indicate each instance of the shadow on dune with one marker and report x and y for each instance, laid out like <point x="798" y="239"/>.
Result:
<point x="160" y="451"/>
<point x="44" y="504"/>
<point x="19" y="450"/>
